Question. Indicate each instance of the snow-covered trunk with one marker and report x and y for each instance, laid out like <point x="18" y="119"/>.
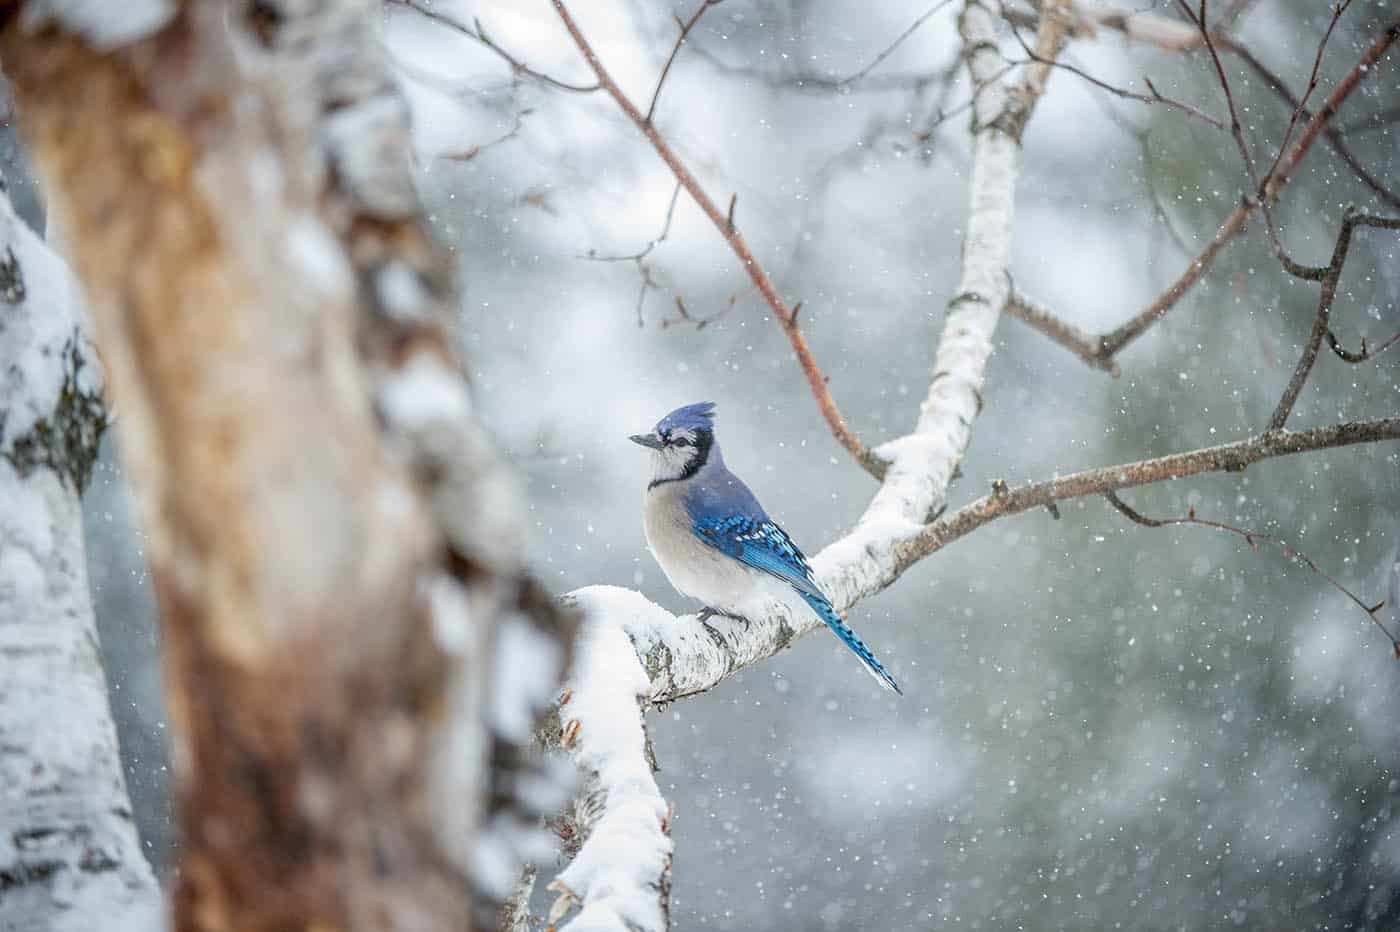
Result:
<point x="353" y="653"/>
<point x="69" y="854"/>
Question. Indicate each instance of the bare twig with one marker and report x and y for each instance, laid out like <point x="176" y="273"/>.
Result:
<point x="861" y="79"/>
<point x="1366" y="353"/>
<point x="1334" y="135"/>
<point x="683" y="315"/>
<point x="1085" y="346"/>
<point x="471" y="152"/>
<point x="816" y="380"/>
<point x="640" y="257"/>
<point x="477" y="33"/>
<point x="1198" y="18"/>
<point x="1133" y="328"/>
<point x="1153" y="97"/>
<point x="1254" y="539"/>
<point x="686" y="27"/>
<point x="1331" y="274"/>
<point x="890" y="49"/>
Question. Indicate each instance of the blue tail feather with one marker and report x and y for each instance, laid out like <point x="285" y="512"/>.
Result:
<point x="848" y="637"/>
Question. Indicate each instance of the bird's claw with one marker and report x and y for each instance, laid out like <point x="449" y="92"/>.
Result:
<point x="707" y="613"/>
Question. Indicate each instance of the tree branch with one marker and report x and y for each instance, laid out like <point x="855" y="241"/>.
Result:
<point x="621" y="874"/>
<point x="676" y="652"/>
<point x="816" y="380"/>
<point x="1083" y="345"/>
<point x="1253" y="539"/>
<point x="1330" y="275"/>
<point x="477" y="33"/>
<point x="1134" y="327"/>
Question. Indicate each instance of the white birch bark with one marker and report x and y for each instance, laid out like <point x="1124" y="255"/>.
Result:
<point x="683" y="655"/>
<point x="69" y="854"/>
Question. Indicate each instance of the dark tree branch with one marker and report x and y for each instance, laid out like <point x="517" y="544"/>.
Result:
<point x="1236" y="127"/>
<point x="686" y="27"/>
<point x="1366" y="353"/>
<point x="1254" y="539"/>
<point x="1134" y="327"/>
<point x="816" y="380"/>
<point x="1229" y="457"/>
<point x="1086" y="346"/>
<point x="1331" y="274"/>
<point x="1334" y="135"/>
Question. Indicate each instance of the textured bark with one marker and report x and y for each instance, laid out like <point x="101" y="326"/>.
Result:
<point x="335" y="547"/>
<point x="69" y="854"/>
<point x="623" y="822"/>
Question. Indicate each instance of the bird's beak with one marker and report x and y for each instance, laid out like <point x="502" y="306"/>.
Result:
<point x="647" y="440"/>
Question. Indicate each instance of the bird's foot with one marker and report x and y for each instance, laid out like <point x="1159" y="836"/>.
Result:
<point x="707" y="613"/>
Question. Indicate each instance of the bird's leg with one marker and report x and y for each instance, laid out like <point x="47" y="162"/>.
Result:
<point x="707" y="613"/>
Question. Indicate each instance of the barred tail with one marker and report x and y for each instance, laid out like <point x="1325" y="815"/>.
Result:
<point x="848" y="637"/>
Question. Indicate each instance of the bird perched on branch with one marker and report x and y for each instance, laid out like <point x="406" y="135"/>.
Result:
<point x="715" y="542"/>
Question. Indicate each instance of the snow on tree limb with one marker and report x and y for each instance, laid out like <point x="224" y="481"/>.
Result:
<point x="687" y="655"/>
<point x="622" y="874"/>
<point x="69" y="854"/>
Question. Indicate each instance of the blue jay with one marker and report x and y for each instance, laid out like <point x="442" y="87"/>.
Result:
<point x="713" y="539"/>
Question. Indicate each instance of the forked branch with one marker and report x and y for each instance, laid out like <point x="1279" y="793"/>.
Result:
<point x="816" y="379"/>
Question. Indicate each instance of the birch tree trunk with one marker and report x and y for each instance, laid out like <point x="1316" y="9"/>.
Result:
<point x="69" y="854"/>
<point x="353" y="654"/>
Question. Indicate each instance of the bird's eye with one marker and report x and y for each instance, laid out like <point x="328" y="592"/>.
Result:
<point x="681" y="442"/>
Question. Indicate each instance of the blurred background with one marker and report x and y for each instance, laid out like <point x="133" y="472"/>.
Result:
<point x="1105" y="726"/>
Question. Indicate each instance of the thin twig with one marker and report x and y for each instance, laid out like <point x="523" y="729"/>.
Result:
<point x="1236" y="127"/>
<point x="1332" y="273"/>
<point x="639" y="257"/>
<point x="1334" y="135"/>
<point x="861" y="79"/>
<point x="1254" y="539"/>
<point x="1154" y="97"/>
<point x="466" y="155"/>
<point x="477" y="33"/>
<point x="1083" y="345"/>
<point x="1134" y="327"/>
<point x="890" y="49"/>
<point x="816" y="380"/>
<point x="686" y="27"/>
<point x="1366" y="353"/>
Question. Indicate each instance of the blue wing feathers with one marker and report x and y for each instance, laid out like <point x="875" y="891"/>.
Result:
<point x="758" y="542"/>
<point x="761" y="544"/>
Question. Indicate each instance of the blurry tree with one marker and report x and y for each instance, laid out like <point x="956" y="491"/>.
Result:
<point x="261" y="169"/>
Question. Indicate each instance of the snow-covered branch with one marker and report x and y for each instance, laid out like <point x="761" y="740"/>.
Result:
<point x="69" y="855"/>
<point x="621" y="875"/>
<point x="686" y="655"/>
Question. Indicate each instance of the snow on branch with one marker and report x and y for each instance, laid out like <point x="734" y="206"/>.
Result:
<point x="69" y="855"/>
<point x="621" y="875"/>
<point x="681" y="656"/>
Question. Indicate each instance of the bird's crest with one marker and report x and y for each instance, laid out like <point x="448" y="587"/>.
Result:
<point x="692" y="417"/>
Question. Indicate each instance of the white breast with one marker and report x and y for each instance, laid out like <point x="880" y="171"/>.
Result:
<point x="696" y="569"/>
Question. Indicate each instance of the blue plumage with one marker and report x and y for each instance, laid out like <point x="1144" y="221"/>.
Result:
<point x="694" y="498"/>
